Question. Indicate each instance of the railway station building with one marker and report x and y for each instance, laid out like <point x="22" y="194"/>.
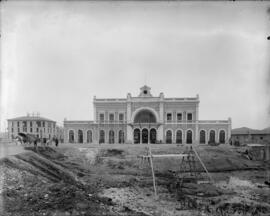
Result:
<point x="147" y="118"/>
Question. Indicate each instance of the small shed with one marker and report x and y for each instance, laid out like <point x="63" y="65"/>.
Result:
<point x="256" y="151"/>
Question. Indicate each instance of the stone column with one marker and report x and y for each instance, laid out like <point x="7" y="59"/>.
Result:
<point x="129" y="108"/>
<point x="148" y="135"/>
<point x="129" y="134"/>
<point x="161" y="108"/>
<point x="160" y="135"/>
<point x="140" y="136"/>
<point x="197" y="132"/>
<point x="184" y="136"/>
<point x="75" y="135"/>
<point x="85" y="135"/>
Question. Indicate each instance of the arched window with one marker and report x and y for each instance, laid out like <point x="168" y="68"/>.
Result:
<point x="89" y="136"/>
<point x="80" y="136"/>
<point x="111" y="136"/>
<point x="137" y="135"/>
<point x="189" y="137"/>
<point x="121" y="137"/>
<point x="145" y="116"/>
<point x="153" y="135"/>
<point x="222" y="136"/>
<point x="178" y="136"/>
<point x="202" y="137"/>
<point x="71" y="136"/>
<point x="212" y="135"/>
<point x="169" y="136"/>
<point x="101" y="136"/>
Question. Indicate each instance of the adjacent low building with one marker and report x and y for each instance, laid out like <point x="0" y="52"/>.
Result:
<point x="36" y="125"/>
<point x="244" y="135"/>
<point x="147" y="118"/>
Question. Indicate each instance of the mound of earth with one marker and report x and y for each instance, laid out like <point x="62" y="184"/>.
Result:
<point x="43" y="181"/>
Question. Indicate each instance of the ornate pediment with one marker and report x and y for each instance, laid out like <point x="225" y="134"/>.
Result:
<point x="145" y="91"/>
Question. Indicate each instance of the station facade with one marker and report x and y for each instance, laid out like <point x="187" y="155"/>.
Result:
<point x="146" y="118"/>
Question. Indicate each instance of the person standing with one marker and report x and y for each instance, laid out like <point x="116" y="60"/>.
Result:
<point x="56" y="142"/>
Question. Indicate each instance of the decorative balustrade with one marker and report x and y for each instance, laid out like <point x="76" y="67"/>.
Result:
<point x="144" y="98"/>
<point x="198" y="122"/>
<point x="165" y="122"/>
<point x="110" y="100"/>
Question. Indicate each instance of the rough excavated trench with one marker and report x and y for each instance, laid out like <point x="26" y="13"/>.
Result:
<point x="111" y="181"/>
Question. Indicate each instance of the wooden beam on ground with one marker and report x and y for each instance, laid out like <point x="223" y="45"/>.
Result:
<point x="163" y="156"/>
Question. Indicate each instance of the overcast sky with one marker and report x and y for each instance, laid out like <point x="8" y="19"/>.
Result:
<point x="55" y="56"/>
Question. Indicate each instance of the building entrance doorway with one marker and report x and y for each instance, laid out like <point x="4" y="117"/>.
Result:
<point x="144" y="135"/>
<point x="153" y="135"/>
<point x="136" y="136"/>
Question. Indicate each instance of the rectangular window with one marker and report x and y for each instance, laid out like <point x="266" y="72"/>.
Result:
<point x="101" y="117"/>
<point x="37" y="129"/>
<point x="24" y="129"/>
<point x="18" y="130"/>
<point x="169" y="116"/>
<point x="31" y="124"/>
<point x="12" y="130"/>
<point x="121" y="117"/>
<point x="31" y="130"/>
<point x="18" y="124"/>
<point x="189" y="116"/>
<point x="179" y="116"/>
<point x="111" y="117"/>
<point x="38" y="123"/>
<point x="24" y="123"/>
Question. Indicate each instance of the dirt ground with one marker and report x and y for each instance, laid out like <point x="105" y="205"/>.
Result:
<point x="112" y="180"/>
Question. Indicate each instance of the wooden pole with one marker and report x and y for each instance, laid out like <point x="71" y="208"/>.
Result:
<point x="196" y="153"/>
<point x="151" y="164"/>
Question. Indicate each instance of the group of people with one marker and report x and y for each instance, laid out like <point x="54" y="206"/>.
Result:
<point x="32" y="139"/>
<point x="45" y="141"/>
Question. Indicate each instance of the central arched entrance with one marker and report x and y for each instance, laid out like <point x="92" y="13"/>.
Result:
<point x="111" y="136"/>
<point x="145" y="116"/>
<point x="144" y="135"/>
